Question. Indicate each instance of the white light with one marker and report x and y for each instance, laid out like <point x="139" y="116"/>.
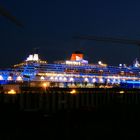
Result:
<point x="108" y="80"/>
<point x="101" y="80"/>
<point x="65" y="79"/>
<point x="60" y="78"/>
<point x="93" y="80"/>
<point x="100" y="62"/>
<point x="42" y="78"/>
<point x="56" y="78"/>
<point x="78" y="58"/>
<point x="122" y="92"/>
<point x="114" y="80"/>
<point x="124" y="65"/>
<point x="36" y="58"/>
<point x="1" y="78"/>
<point x="9" y="78"/>
<point x="51" y="78"/>
<point x="72" y="63"/>
<point x="19" y="78"/>
<point x="33" y="57"/>
<point x="71" y="79"/>
<point x="30" y="58"/>
<point x="86" y="79"/>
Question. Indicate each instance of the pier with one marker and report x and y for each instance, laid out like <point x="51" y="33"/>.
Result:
<point x="52" y="100"/>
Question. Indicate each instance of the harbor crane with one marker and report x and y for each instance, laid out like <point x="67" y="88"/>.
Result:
<point x="109" y="39"/>
<point x="9" y="16"/>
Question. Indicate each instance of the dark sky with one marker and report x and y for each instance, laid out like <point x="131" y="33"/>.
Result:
<point x="51" y="24"/>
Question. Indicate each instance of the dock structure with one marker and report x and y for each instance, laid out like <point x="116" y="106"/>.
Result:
<point x="56" y="99"/>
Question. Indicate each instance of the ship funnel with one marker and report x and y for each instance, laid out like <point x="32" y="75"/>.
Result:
<point x="77" y="56"/>
<point x="33" y="57"/>
<point x="36" y="58"/>
<point x="30" y="58"/>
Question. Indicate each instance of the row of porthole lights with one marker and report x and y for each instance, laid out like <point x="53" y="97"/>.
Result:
<point x="19" y="78"/>
<point x="101" y="80"/>
<point x="9" y="78"/>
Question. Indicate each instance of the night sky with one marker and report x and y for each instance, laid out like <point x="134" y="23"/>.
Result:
<point x="51" y="24"/>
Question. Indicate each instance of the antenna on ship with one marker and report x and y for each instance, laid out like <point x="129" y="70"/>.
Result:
<point x="136" y="63"/>
<point x="5" y="13"/>
<point x="36" y="50"/>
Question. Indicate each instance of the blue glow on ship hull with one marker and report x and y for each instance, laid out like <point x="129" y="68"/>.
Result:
<point x="75" y="73"/>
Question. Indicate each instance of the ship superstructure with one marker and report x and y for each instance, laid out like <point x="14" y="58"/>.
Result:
<point x="75" y="72"/>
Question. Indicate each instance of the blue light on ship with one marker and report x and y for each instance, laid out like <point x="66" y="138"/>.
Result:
<point x="76" y="71"/>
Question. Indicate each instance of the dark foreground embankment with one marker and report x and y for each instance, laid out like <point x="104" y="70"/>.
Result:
<point x="96" y="115"/>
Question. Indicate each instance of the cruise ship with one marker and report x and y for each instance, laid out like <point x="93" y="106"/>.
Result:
<point x="75" y="72"/>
